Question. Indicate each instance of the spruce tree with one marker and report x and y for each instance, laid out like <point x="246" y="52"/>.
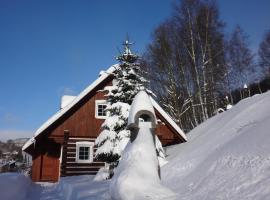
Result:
<point x="127" y="83"/>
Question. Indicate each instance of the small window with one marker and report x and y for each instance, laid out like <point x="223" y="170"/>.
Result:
<point x="101" y="106"/>
<point x="84" y="152"/>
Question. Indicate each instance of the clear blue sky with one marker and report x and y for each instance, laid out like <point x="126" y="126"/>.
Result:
<point x="50" y="48"/>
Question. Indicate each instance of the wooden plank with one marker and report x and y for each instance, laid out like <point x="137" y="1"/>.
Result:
<point x="71" y="153"/>
<point x="82" y="138"/>
<point x="82" y="169"/>
<point x="64" y="153"/>
<point x="84" y="173"/>
<point x="81" y="172"/>
<point x="99" y="164"/>
<point x="36" y="168"/>
<point x="70" y="159"/>
<point x="50" y="168"/>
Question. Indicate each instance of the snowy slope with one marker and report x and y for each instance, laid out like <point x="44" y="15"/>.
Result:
<point x="227" y="157"/>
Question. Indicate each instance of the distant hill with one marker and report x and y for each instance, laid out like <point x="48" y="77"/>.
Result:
<point x="20" y="141"/>
<point x="12" y="145"/>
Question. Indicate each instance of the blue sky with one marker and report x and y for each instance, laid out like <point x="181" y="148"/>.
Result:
<point x="51" y="48"/>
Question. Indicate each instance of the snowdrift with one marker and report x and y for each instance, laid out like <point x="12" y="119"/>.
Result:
<point x="79" y="188"/>
<point x="137" y="175"/>
<point x="227" y="157"/>
<point x="14" y="186"/>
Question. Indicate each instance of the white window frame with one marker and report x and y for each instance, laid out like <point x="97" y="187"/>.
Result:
<point x="91" y="151"/>
<point x="97" y="103"/>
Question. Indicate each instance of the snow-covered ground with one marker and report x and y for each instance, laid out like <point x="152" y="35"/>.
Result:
<point x="227" y="157"/>
<point x="14" y="186"/>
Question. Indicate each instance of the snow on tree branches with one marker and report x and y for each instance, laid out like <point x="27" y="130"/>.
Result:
<point x="127" y="83"/>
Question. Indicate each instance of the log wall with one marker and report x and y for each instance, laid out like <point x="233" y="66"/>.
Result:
<point x="69" y="165"/>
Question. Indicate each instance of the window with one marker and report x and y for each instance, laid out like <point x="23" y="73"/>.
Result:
<point x="84" y="152"/>
<point x="101" y="106"/>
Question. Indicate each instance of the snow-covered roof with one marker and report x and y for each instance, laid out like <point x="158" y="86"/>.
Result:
<point x="168" y="118"/>
<point x="86" y="91"/>
<point x="72" y="103"/>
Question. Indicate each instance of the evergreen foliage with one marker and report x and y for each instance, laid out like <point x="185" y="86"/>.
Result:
<point x="127" y="83"/>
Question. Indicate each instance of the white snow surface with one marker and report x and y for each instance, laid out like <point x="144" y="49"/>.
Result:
<point x="103" y="174"/>
<point x="228" y="107"/>
<point x="140" y="103"/>
<point x="227" y="157"/>
<point x="136" y="177"/>
<point x="14" y="186"/>
<point x="137" y="174"/>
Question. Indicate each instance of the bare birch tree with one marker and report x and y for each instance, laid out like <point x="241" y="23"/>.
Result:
<point x="186" y="62"/>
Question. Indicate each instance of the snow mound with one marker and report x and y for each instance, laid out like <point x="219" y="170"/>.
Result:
<point x="70" y="188"/>
<point x="103" y="174"/>
<point x="81" y="188"/>
<point x="227" y="157"/>
<point x="14" y="186"/>
<point x="136" y="177"/>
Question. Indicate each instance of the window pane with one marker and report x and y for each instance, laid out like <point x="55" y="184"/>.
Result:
<point x="84" y="153"/>
<point x="101" y="110"/>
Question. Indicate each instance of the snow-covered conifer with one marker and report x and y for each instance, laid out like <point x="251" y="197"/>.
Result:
<point x="127" y="83"/>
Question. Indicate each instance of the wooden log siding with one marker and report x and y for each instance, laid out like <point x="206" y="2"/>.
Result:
<point x="70" y="167"/>
<point x="64" y="153"/>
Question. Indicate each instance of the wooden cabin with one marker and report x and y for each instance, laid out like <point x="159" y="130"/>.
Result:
<point x="64" y="144"/>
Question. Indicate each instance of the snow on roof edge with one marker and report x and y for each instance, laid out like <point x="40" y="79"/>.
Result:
<point x="70" y="105"/>
<point x="168" y="118"/>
